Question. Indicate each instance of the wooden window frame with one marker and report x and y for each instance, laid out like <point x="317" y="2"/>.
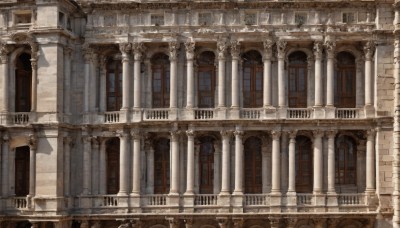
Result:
<point x="345" y="100"/>
<point x="21" y="162"/>
<point x="118" y="90"/>
<point x="206" y="187"/>
<point x="162" y="159"/>
<point x="112" y="164"/>
<point x="302" y="142"/>
<point x="298" y="95"/>
<point x="252" y="166"/>
<point x="23" y="83"/>
<point x="200" y="93"/>
<point x="165" y="77"/>
<point x="255" y="68"/>
<point x="344" y="180"/>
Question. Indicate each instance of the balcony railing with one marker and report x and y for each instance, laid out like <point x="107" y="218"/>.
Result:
<point x="206" y="199"/>
<point x="156" y="200"/>
<point x="111" y="117"/>
<point x="256" y="200"/>
<point x="299" y="113"/>
<point x="351" y="199"/>
<point x="20" y="202"/>
<point x="156" y="114"/>
<point x="203" y="114"/>
<point x="19" y="118"/>
<point x="304" y="199"/>
<point x="346" y="113"/>
<point x="250" y="113"/>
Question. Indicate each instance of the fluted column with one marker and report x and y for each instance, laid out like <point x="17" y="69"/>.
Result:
<point x="292" y="162"/>
<point x="267" y="94"/>
<point x="125" y="49"/>
<point x="123" y="162"/>
<point x="225" y="186"/>
<point x="276" y="162"/>
<point x="318" y="161"/>
<point x="235" y="52"/>
<point x="87" y="55"/>
<point x="150" y="167"/>
<point x="5" y="156"/>
<point x="331" y="161"/>
<point x="34" y="60"/>
<point x="87" y="164"/>
<point x="103" y="83"/>
<point x="4" y="51"/>
<point x="330" y="50"/>
<point x="281" y="46"/>
<point x="190" y="45"/>
<point x="137" y="49"/>
<point x="369" y="50"/>
<point x="173" y="57"/>
<point x="318" y="72"/>
<point x="136" y="167"/>
<point x="370" y="163"/>
<point x="221" y="46"/>
<point x="67" y="80"/>
<point x="102" y="168"/>
<point x="190" y="162"/>
<point x="238" y="161"/>
<point x="67" y="165"/>
<point x="174" y="162"/>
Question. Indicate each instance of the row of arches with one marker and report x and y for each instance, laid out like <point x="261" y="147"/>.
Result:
<point x="252" y="81"/>
<point x="345" y="164"/>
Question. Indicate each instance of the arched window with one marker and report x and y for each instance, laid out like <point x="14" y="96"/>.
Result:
<point x="297" y="80"/>
<point x="161" y="166"/>
<point x="253" y="170"/>
<point x="345" y="81"/>
<point x="112" y="153"/>
<point x="346" y="161"/>
<point x="304" y="165"/>
<point x="206" y="80"/>
<point x="206" y="165"/>
<point x="252" y="80"/>
<point x="23" y="83"/>
<point x="114" y="85"/>
<point x="161" y="80"/>
<point x="22" y="171"/>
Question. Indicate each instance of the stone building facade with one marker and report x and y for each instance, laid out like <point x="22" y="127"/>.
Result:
<point x="195" y="113"/>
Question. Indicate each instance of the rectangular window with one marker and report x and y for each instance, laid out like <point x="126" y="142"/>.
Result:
<point x="300" y="18"/>
<point x="157" y="20"/>
<point x="250" y="18"/>
<point x="23" y="18"/>
<point x="348" y="17"/>
<point x="205" y="19"/>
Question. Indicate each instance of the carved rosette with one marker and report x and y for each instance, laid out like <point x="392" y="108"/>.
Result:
<point x="5" y="138"/>
<point x="221" y="47"/>
<point x="281" y="47"/>
<point x="173" y="50"/>
<point x="138" y="49"/>
<point x="222" y="222"/>
<point x="330" y="48"/>
<point x="268" y="44"/>
<point x="235" y="49"/>
<point x="319" y="222"/>
<point x="190" y="45"/>
<point x="125" y="49"/>
<point x="318" y="50"/>
<point x="369" y="50"/>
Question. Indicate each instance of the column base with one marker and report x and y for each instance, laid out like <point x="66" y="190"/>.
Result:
<point x="282" y="112"/>
<point x="234" y="113"/>
<point x="188" y="202"/>
<point x="237" y="202"/>
<point x="291" y="200"/>
<point x="134" y="202"/>
<point x="221" y="113"/>
<point x="224" y="201"/>
<point x="319" y="112"/>
<point x="269" y="112"/>
<point x="318" y="200"/>
<point x="136" y="115"/>
<point x="369" y="111"/>
<point x="173" y="202"/>
<point x="332" y="202"/>
<point x="330" y="112"/>
<point x="276" y="202"/>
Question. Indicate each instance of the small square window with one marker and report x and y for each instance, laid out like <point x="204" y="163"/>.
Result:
<point x="157" y="20"/>
<point x="250" y="19"/>
<point x="61" y="18"/>
<point x="23" y="18"/>
<point x="205" y="19"/>
<point x="300" y="18"/>
<point x="348" y="17"/>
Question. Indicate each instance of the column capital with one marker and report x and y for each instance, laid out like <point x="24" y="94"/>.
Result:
<point x="68" y="140"/>
<point x="235" y="49"/>
<point x="268" y="44"/>
<point x="319" y="221"/>
<point x="137" y="50"/>
<point x="175" y="135"/>
<point x="173" y="50"/>
<point x="292" y="134"/>
<point x="238" y="222"/>
<point x="370" y="133"/>
<point x="317" y="133"/>
<point x="190" y="133"/>
<point x="136" y="134"/>
<point x="369" y="50"/>
<point x="276" y="135"/>
<point x="96" y="142"/>
<point x="125" y="48"/>
<point x="221" y="48"/>
<point x="274" y="221"/>
<point x="291" y="222"/>
<point x="331" y="133"/>
<point x="5" y="49"/>
<point x="281" y="47"/>
<point x="32" y="142"/>
<point x="222" y="221"/>
<point x="238" y="133"/>
<point x="330" y="46"/>
<point x="122" y="134"/>
<point x="318" y="49"/>
<point x="225" y="133"/>
<point x="5" y="138"/>
<point x="190" y="46"/>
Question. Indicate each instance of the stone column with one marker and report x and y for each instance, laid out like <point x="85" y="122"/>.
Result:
<point x="292" y="162"/>
<point x="125" y="49"/>
<point x="369" y="50"/>
<point x="266" y="167"/>
<point x="4" y="51"/>
<point x="267" y="95"/>
<point x="235" y="52"/>
<point x="190" y="45"/>
<point x="370" y="163"/>
<point x="331" y="161"/>
<point x="150" y="166"/>
<point x="190" y="163"/>
<point x="5" y="156"/>
<point x="138" y="49"/>
<point x="276" y="163"/>
<point x="67" y="165"/>
<point x="123" y="162"/>
<point x="330" y="50"/>
<point x="318" y="72"/>
<point x="93" y="106"/>
<point x="318" y="161"/>
<point x="173" y="57"/>
<point x="103" y="165"/>
<point x="239" y="164"/>
<point x="67" y="80"/>
<point x="103" y="82"/>
<point x="221" y="46"/>
<point x="217" y="166"/>
<point x="34" y="60"/>
<point x="87" y="164"/>
<point x="87" y="55"/>
<point x="136" y="163"/>
<point x="225" y="186"/>
<point x="396" y="135"/>
<point x="281" y="46"/>
<point x="174" y="163"/>
<point x="95" y="166"/>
